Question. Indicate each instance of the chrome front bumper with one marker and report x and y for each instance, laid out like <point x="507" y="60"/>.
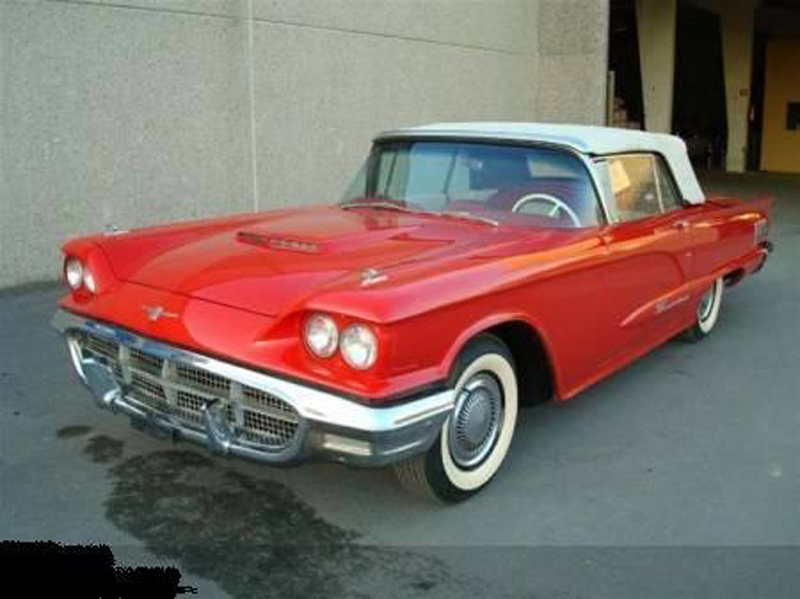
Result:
<point x="172" y="392"/>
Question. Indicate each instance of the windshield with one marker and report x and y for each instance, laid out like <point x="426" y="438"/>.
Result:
<point x="531" y="186"/>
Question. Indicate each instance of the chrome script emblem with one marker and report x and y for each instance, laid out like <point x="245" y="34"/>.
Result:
<point x="664" y="305"/>
<point x="156" y="312"/>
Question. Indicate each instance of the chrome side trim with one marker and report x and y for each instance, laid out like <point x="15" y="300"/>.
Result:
<point x="311" y="404"/>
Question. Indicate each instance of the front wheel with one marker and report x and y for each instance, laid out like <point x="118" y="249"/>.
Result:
<point x="707" y="313"/>
<point x="474" y="440"/>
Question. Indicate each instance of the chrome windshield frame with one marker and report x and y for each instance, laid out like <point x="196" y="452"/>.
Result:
<point x="586" y="160"/>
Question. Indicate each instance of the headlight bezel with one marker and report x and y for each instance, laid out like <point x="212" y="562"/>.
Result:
<point x="89" y="281"/>
<point x="74" y="273"/>
<point x="327" y="322"/>
<point x="79" y="277"/>
<point x="355" y="335"/>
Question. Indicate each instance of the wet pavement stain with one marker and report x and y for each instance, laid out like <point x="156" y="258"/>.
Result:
<point x="68" y="432"/>
<point x="102" y="449"/>
<point x="257" y="538"/>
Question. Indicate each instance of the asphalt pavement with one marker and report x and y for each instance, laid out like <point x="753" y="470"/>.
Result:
<point x="677" y="477"/>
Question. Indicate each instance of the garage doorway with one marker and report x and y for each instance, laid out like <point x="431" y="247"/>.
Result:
<point x="699" y="111"/>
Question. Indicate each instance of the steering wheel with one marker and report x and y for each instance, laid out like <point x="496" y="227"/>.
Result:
<point x="558" y="205"/>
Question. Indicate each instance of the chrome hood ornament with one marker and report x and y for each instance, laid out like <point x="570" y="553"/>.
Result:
<point x="371" y="276"/>
<point x="113" y="231"/>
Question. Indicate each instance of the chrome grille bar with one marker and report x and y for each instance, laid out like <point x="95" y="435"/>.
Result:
<point x="182" y="392"/>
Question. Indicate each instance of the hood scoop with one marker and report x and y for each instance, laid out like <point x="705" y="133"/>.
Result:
<point x="277" y="242"/>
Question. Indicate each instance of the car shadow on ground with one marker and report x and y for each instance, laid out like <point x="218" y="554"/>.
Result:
<point x="252" y="536"/>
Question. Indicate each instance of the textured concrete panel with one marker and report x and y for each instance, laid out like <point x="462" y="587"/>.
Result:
<point x="5" y="202"/>
<point x="321" y="95"/>
<point x="656" y="21"/>
<point x="504" y="25"/>
<point x="573" y="27"/>
<point x="221" y="8"/>
<point x="571" y="89"/>
<point x="114" y="115"/>
<point x="573" y="49"/>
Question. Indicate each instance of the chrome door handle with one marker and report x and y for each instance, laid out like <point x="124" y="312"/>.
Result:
<point x="681" y="225"/>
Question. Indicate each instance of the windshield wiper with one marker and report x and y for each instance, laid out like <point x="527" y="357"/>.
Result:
<point x="445" y="213"/>
<point x="378" y="205"/>
<point x="468" y="216"/>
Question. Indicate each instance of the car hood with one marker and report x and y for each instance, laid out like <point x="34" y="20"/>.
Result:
<point x="269" y="263"/>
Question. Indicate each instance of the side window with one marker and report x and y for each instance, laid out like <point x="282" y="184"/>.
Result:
<point x="670" y="200"/>
<point x="633" y="186"/>
<point x="641" y="187"/>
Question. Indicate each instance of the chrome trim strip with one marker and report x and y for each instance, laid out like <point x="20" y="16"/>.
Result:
<point x="311" y="404"/>
<point x="599" y="190"/>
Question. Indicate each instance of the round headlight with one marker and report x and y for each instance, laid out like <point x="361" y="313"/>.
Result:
<point x="73" y="270"/>
<point x="359" y="346"/>
<point x="88" y="280"/>
<point x="322" y="335"/>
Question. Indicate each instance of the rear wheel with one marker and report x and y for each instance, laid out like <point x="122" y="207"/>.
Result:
<point x="707" y="313"/>
<point x="474" y="440"/>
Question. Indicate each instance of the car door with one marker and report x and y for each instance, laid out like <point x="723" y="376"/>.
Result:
<point x="648" y="251"/>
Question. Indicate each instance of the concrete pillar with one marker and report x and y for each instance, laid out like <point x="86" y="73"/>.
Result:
<point x="737" y="20"/>
<point x="655" y="22"/>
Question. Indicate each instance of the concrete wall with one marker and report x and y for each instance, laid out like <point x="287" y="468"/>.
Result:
<point x="655" y="22"/>
<point x="780" y="147"/>
<point x="573" y="61"/>
<point x="135" y="112"/>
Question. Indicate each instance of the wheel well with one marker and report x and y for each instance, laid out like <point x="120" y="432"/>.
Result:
<point x="734" y="277"/>
<point x="534" y="371"/>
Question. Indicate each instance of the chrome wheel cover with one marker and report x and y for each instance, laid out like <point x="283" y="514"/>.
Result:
<point x="476" y="420"/>
<point x="706" y="305"/>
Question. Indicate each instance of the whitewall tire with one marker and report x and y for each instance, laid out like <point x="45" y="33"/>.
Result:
<point x="474" y="440"/>
<point x="707" y="312"/>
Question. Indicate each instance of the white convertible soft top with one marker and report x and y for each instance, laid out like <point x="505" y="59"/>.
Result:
<point x="592" y="140"/>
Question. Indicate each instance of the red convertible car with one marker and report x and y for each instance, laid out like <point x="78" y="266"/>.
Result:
<point x="471" y="268"/>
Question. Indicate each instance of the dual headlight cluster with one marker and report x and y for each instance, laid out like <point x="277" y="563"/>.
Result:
<point x="357" y="343"/>
<point x="79" y="276"/>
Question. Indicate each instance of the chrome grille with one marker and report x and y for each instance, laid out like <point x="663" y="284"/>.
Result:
<point x="145" y="362"/>
<point x="147" y="386"/>
<point x="203" y="380"/>
<point x="261" y="428"/>
<point x="257" y="397"/>
<point x="149" y="393"/>
<point x="180" y="392"/>
<point x="103" y="347"/>
<point x="190" y="407"/>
